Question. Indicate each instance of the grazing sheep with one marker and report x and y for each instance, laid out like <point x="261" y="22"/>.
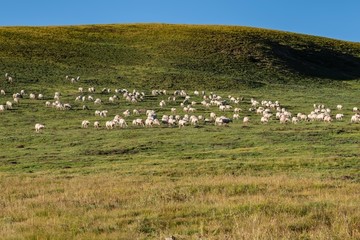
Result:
<point x="327" y="119"/>
<point x="97" y="101"/>
<point x="38" y="127"/>
<point x="339" y="107"/>
<point x="122" y="123"/>
<point x="9" y="105"/>
<point x="294" y="120"/>
<point x="40" y="96"/>
<point x="85" y="124"/>
<point x="97" y="124"/>
<point x="2" y="108"/>
<point x="32" y="96"/>
<point x="339" y="116"/>
<point x="2" y="92"/>
<point x="138" y="122"/>
<point x="110" y="124"/>
<point x="246" y="120"/>
<point x="355" y="118"/>
<point x="182" y="123"/>
<point x="264" y="120"/>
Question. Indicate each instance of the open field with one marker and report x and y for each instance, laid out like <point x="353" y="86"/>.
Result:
<point x="254" y="181"/>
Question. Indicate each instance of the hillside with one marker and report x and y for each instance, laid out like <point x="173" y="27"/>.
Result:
<point x="169" y="56"/>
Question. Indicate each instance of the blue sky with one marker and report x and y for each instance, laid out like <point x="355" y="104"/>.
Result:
<point x="329" y="18"/>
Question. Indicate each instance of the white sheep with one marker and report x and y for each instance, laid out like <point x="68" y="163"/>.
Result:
<point x="138" y="122"/>
<point x="97" y="124"/>
<point x="339" y="107"/>
<point x="182" y="123"/>
<point x="246" y="120"/>
<point x="9" y="105"/>
<point x="97" y="101"/>
<point x="38" y="127"/>
<point x="339" y="116"/>
<point x="355" y="118"/>
<point x="2" y="108"/>
<point x="2" y="92"/>
<point x="122" y="123"/>
<point x="110" y="124"/>
<point x="32" y="96"/>
<point x="85" y="124"/>
<point x="264" y="120"/>
<point x="327" y="119"/>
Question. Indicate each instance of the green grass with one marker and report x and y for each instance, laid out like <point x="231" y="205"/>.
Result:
<point x="257" y="181"/>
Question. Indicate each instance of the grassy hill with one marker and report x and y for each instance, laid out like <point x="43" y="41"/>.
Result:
<point x="188" y="56"/>
<point x="241" y="181"/>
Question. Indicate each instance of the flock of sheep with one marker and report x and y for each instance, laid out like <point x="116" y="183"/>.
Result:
<point x="181" y="105"/>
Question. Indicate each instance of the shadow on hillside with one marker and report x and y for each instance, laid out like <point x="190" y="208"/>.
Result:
<point x="315" y="61"/>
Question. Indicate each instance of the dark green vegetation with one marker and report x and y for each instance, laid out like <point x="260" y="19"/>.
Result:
<point x="238" y="182"/>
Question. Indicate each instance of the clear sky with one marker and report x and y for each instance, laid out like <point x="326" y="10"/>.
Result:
<point x="339" y="19"/>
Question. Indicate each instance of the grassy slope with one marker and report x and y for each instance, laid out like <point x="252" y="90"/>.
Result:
<point x="239" y="182"/>
<point x="175" y="55"/>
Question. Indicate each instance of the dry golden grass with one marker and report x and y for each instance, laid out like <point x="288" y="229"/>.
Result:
<point x="114" y="206"/>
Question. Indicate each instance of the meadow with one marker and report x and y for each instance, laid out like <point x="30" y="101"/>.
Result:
<point x="254" y="181"/>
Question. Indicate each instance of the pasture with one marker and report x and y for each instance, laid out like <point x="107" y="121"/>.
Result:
<point x="240" y="181"/>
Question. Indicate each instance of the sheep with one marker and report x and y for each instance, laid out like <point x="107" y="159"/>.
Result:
<point x="327" y="119"/>
<point x="355" y="118"/>
<point x="182" y="123"/>
<point x="40" y="96"/>
<point x="122" y="123"/>
<point x="2" y="92"/>
<point x="126" y="113"/>
<point x="9" y="105"/>
<point x="246" y="120"/>
<point x="162" y="104"/>
<point x="80" y="89"/>
<point x="2" y="108"/>
<point x="294" y="120"/>
<point x="96" y="124"/>
<point x="67" y="106"/>
<point x="97" y="101"/>
<point x="355" y="109"/>
<point x="111" y="99"/>
<point x="222" y="121"/>
<point x="91" y="89"/>
<point x="136" y="112"/>
<point x="171" y="122"/>
<point x="103" y="113"/>
<point x="138" y="122"/>
<point x="339" y="107"/>
<point x="284" y="119"/>
<point x="109" y="124"/>
<point x="264" y="120"/>
<point x="47" y="103"/>
<point x="85" y="124"/>
<point x="32" y="96"/>
<point x="339" y="116"/>
<point x="38" y="127"/>
<point x="149" y="122"/>
<point x="236" y="116"/>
